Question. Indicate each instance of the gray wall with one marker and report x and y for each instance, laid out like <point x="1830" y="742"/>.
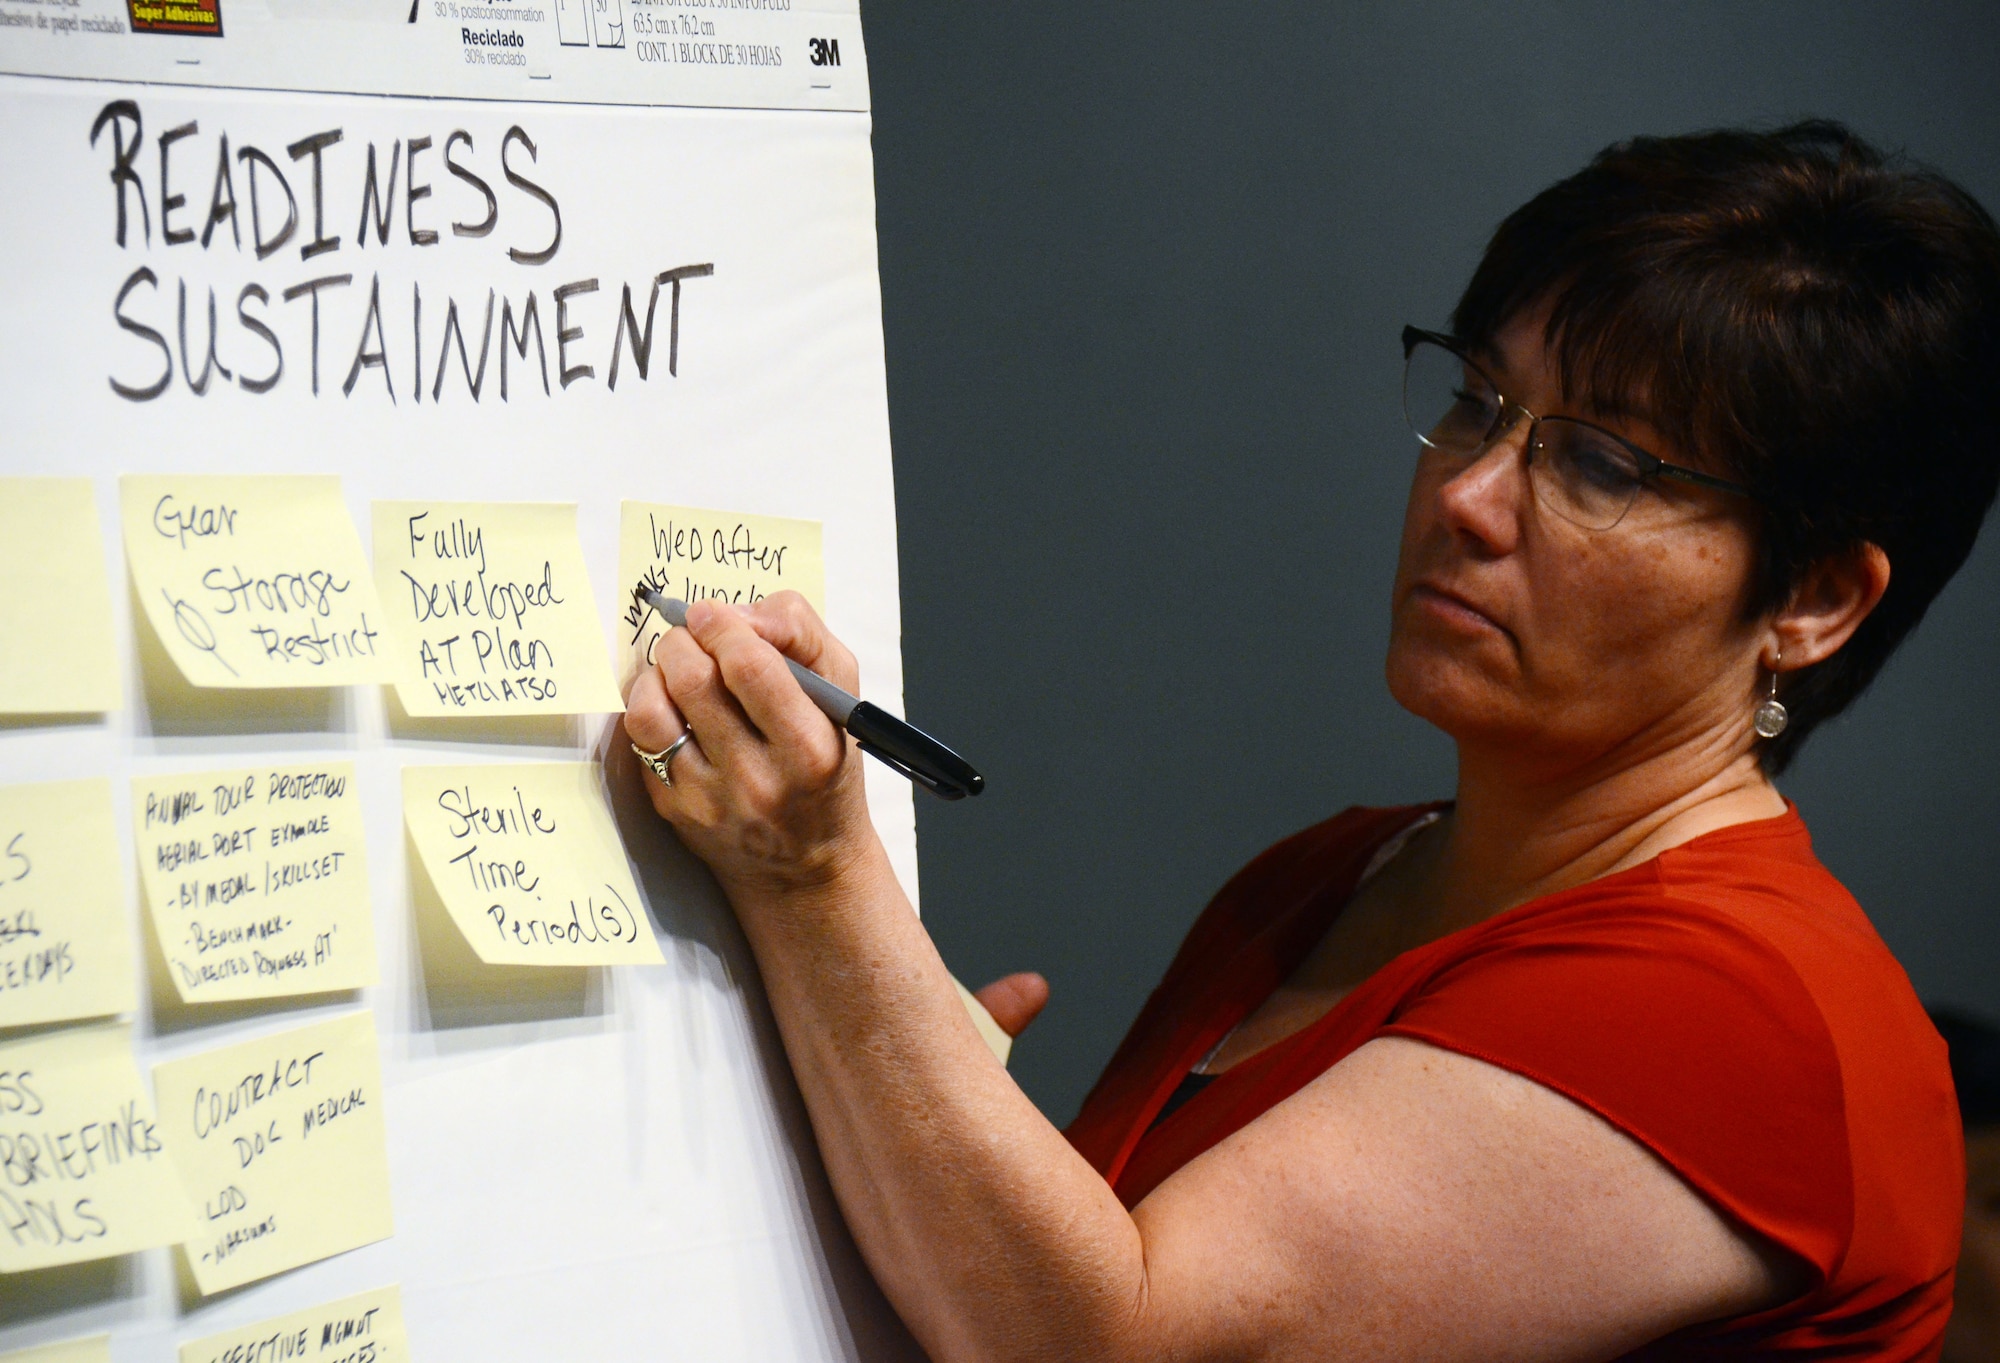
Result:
<point x="1143" y="268"/>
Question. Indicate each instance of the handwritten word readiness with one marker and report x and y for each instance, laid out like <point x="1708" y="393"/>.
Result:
<point x="490" y="610"/>
<point x="65" y="951"/>
<point x="280" y="1142"/>
<point x="528" y="863"/>
<point x="254" y="581"/>
<point x="257" y="880"/>
<point x="365" y="1328"/>
<point x="698" y="555"/>
<point x="57" y="654"/>
<point x="96" y="1349"/>
<point x="84" y="1172"/>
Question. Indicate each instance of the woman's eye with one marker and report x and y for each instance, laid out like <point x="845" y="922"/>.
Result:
<point x="1597" y="462"/>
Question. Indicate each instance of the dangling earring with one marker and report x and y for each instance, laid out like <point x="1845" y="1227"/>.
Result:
<point x="1770" y="717"/>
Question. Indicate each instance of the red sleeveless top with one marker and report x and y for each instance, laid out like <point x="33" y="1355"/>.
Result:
<point x="1727" y="1004"/>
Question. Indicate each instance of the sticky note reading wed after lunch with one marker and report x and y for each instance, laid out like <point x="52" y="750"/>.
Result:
<point x="254" y="581"/>
<point x="364" y="1328"/>
<point x="85" y="1163"/>
<point x="257" y="879"/>
<point x="696" y="555"/>
<point x="57" y="653"/>
<point x="528" y="863"/>
<point x="281" y="1145"/>
<point x="65" y="951"/>
<point x="490" y="610"/>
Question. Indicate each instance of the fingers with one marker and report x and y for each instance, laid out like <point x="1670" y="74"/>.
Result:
<point x="652" y="720"/>
<point x="788" y="623"/>
<point x="757" y="678"/>
<point x="1015" y="1000"/>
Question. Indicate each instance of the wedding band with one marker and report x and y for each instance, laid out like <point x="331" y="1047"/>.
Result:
<point x="663" y="759"/>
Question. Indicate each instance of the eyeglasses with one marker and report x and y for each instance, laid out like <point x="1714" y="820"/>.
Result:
<point x="1580" y="471"/>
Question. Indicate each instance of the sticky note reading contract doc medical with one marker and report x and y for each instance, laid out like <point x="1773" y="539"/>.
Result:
<point x="65" y="951"/>
<point x="490" y="610"/>
<point x="364" y="1328"/>
<point x="528" y="863"/>
<point x="257" y="879"/>
<point x="694" y="555"/>
<point x="254" y="581"/>
<point x="281" y="1145"/>
<point x="86" y="1170"/>
<point x="57" y="654"/>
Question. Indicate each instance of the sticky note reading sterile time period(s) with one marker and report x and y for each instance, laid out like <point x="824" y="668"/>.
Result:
<point x="695" y="555"/>
<point x="65" y="951"/>
<point x="281" y="1145"/>
<point x="254" y="581"/>
<point x="528" y="863"/>
<point x="86" y="1170"/>
<point x="490" y="610"/>
<point x="364" y="1328"/>
<point x="95" y="1349"/>
<point x="257" y="879"/>
<point x="57" y="651"/>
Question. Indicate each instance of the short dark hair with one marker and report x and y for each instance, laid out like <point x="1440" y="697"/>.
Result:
<point x="1796" y="310"/>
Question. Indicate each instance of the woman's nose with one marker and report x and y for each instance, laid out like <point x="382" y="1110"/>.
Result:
<point x="1485" y="500"/>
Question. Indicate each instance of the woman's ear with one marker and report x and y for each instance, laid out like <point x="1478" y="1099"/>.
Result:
<point x="1829" y="604"/>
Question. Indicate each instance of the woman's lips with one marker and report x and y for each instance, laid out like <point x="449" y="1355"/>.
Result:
<point x="1455" y="609"/>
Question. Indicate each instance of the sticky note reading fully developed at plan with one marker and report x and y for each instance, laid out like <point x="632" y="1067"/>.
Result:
<point x="490" y="610"/>
<point x="528" y="863"/>
<point x="697" y="555"/>
<point x="84" y="1172"/>
<point x="65" y="951"/>
<point x="364" y="1328"/>
<point x="57" y="652"/>
<point x="257" y="879"/>
<point x="281" y="1144"/>
<point x="254" y="581"/>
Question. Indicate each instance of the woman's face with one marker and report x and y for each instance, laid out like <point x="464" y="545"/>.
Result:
<point x="1515" y="629"/>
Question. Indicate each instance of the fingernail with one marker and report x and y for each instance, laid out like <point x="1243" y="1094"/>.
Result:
<point x="699" y="614"/>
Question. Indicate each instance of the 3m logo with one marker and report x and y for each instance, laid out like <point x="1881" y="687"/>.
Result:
<point x="202" y="18"/>
<point x="824" y="51"/>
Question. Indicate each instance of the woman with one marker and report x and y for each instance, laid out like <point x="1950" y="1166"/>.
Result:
<point x="1594" y="1061"/>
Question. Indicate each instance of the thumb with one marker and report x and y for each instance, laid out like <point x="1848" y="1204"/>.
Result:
<point x="1015" y="1000"/>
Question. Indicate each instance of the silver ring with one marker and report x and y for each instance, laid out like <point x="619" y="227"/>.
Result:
<point x="662" y="760"/>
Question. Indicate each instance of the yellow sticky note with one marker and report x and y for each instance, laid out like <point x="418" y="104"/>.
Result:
<point x="696" y="555"/>
<point x="364" y="1328"/>
<point x="84" y="1169"/>
<point x="490" y="610"/>
<point x="528" y="863"/>
<point x="65" y="951"/>
<point x="254" y="581"/>
<point x="281" y="1146"/>
<point x="57" y="654"/>
<point x="257" y="879"/>
<point x="96" y="1349"/>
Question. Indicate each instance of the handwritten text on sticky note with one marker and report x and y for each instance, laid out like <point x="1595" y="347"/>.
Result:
<point x="57" y="654"/>
<point x="254" y="581"/>
<point x="65" y="950"/>
<point x="280" y="1143"/>
<point x="257" y="879"/>
<point x="364" y="1328"/>
<point x="528" y="863"/>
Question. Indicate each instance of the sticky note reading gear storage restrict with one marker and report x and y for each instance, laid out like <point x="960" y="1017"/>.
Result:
<point x="490" y="610"/>
<point x="96" y="1349"/>
<point x="84" y="1170"/>
<point x="365" y="1328"/>
<point x="280" y="1143"/>
<point x="57" y="654"/>
<point x="65" y="951"/>
<point x="257" y="879"/>
<point x="254" y="581"/>
<point x="528" y="863"/>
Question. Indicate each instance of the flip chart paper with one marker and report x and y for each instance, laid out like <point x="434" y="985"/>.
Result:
<point x="96" y="1349"/>
<point x="490" y="610"/>
<point x="281" y="1146"/>
<point x="57" y="654"/>
<point x="254" y="581"/>
<point x="257" y="879"/>
<point x="364" y="1328"/>
<point x="84" y="1170"/>
<point x="697" y="555"/>
<point x="528" y="863"/>
<point x="65" y="950"/>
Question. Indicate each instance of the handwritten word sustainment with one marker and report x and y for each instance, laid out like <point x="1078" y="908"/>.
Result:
<point x="84" y="1172"/>
<point x="281" y="1145"/>
<point x="364" y="1328"/>
<point x="58" y="654"/>
<point x="257" y="880"/>
<point x="65" y="950"/>
<point x="528" y="863"/>
<point x="254" y="581"/>
<point x="490" y="610"/>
